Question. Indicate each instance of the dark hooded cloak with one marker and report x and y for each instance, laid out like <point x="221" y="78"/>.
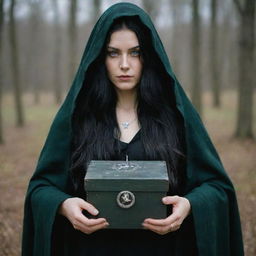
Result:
<point x="214" y="219"/>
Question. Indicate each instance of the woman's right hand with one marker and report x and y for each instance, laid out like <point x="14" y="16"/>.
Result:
<point x="72" y="209"/>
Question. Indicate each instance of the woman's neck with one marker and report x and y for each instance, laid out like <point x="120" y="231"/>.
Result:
<point x="126" y="100"/>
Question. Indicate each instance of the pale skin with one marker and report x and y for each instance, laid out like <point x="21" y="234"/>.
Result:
<point x="124" y="66"/>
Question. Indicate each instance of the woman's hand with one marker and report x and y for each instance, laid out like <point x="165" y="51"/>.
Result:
<point x="181" y="209"/>
<point x="72" y="209"/>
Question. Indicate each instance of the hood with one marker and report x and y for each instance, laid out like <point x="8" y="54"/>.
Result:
<point x="208" y="187"/>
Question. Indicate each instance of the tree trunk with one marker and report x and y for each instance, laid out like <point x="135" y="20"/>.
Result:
<point x="1" y="69"/>
<point x="35" y="21"/>
<point x="196" y="58"/>
<point x="176" y="7"/>
<point x="244" y="127"/>
<point x="72" y="39"/>
<point x="228" y="49"/>
<point x="15" y="68"/>
<point x="96" y="8"/>
<point x="214" y="70"/>
<point x="57" y="44"/>
<point x="150" y="8"/>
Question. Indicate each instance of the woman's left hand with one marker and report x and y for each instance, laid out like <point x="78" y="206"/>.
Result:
<point x="181" y="209"/>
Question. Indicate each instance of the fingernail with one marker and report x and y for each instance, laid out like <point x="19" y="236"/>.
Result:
<point x="164" y="200"/>
<point x="95" y="212"/>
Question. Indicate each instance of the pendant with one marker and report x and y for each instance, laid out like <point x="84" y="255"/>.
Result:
<point x="125" y="125"/>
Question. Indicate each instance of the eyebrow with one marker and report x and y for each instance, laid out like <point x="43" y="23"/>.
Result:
<point x="135" y="47"/>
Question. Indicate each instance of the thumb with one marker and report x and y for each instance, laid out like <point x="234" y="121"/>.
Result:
<point x="170" y="199"/>
<point x="89" y="207"/>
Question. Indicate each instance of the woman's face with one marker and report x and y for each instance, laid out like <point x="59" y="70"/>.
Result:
<point x="123" y="60"/>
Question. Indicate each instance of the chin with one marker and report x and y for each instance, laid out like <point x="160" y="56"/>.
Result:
<point x="125" y="87"/>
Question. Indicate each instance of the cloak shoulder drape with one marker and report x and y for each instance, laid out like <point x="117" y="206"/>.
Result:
<point x="208" y="188"/>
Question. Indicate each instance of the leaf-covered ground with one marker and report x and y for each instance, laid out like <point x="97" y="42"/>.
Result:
<point x="18" y="157"/>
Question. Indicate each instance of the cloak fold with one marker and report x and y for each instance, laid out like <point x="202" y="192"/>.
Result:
<point x="211" y="194"/>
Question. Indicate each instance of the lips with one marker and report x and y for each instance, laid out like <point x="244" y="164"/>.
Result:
<point x="124" y="78"/>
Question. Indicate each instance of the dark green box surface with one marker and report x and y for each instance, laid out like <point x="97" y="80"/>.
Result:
<point x="126" y="193"/>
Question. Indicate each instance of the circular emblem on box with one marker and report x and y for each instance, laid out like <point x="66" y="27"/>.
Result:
<point x="125" y="199"/>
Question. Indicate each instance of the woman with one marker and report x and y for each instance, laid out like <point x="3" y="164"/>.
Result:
<point x="125" y="100"/>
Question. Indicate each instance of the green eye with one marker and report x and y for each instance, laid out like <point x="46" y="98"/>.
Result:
<point x="112" y="53"/>
<point x="135" y="53"/>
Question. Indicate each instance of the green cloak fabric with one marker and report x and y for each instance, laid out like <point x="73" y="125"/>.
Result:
<point x="208" y="188"/>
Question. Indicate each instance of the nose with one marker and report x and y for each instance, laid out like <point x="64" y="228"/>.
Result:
<point x="124" y="63"/>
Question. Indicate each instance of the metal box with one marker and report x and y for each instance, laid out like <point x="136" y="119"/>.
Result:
<point x="127" y="192"/>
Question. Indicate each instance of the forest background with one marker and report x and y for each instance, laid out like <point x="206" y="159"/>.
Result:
<point x="211" y="46"/>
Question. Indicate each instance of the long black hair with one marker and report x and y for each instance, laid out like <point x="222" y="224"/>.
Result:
<point x="94" y="120"/>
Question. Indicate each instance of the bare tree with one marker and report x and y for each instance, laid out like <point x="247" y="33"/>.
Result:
<point x="227" y="50"/>
<point x="96" y="10"/>
<point x="57" y="51"/>
<point x="175" y="8"/>
<point x="196" y="58"/>
<point x="1" y="69"/>
<point x="15" y="67"/>
<point x="151" y="8"/>
<point x="35" y="20"/>
<point x="176" y="30"/>
<point x="72" y="33"/>
<point x="214" y="67"/>
<point x="244" y="127"/>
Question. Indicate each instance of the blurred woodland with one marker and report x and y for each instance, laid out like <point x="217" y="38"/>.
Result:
<point x="211" y="46"/>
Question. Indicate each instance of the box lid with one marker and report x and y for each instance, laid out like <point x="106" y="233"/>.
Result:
<point x="133" y="175"/>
